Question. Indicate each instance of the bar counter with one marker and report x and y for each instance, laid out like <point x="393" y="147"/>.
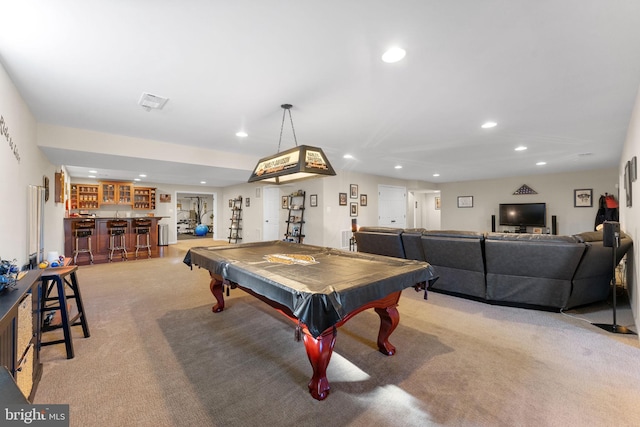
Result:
<point x="100" y="239"/>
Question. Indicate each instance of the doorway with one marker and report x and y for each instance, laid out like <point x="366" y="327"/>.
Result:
<point x="271" y="213"/>
<point x="193" y="210"/>
<point x="392" y="206"/>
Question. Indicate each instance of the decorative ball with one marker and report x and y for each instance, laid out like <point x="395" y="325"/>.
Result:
<point x="201" y="230"/>
<point x="43" y="264"/>
<point x="55" y="264"/>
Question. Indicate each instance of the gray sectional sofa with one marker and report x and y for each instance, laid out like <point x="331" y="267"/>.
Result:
<point x="527" y="270"/>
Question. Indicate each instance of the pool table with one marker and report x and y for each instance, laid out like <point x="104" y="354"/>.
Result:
<point x="318" y="288"/>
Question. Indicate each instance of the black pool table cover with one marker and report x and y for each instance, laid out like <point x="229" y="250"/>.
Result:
<point x="319" y="285"/>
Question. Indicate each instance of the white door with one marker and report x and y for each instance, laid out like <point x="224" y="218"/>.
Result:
<point x="392" y="206"/>
<point x="271" y="214"/>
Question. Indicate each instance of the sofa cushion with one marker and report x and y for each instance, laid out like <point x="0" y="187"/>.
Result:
<point x="454" y="233"/>
<point x="389" y="230"/>
<point x="528" y="237"/>
<point x="589" y="236"/>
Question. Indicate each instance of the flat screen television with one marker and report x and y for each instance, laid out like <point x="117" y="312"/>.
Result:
<point x="523" y="214"/>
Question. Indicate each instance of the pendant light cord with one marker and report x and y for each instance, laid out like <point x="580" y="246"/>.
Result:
<point x="287" y="107"/>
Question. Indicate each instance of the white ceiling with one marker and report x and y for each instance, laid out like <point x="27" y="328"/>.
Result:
<point x="558" y="76"/>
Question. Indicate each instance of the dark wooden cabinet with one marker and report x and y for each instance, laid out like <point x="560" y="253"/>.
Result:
<point x="20" y="331"/>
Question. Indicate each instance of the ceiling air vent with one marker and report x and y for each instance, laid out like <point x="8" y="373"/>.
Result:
<point x="152" y="102"/>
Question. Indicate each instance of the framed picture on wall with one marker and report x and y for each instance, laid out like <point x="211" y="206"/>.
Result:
<point x="363" y="200"/>
<point x="247" y="202"/>
<point x="313" y="200"/>
<point x="354" y="209"/>
<point x="342" y="199"/>
<point x="285" y="202"/>
<point x="583" y="198"/>
<point x="465" y="201"/>
<point x="354" y="191"/>
<point x="437" y="203"/>
<point x="627" y="183"/>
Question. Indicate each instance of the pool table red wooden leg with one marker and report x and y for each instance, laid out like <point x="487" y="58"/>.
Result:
<point x="319" y="351"/>
<point x="216" y="289"/>
<point x="389" y="319"/>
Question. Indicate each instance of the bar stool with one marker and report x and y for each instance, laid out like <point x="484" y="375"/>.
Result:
<point x="117" y="238"/>
<point x="142" y="229"/>
<point x="63" y="279"/>
<point x="83" y="229"/>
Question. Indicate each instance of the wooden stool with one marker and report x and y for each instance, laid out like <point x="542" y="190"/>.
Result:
<point x="62" y="278"/>
<point x="83" y="230"/>
<point x="117" y="238"/>
<point x="142" y="228"/>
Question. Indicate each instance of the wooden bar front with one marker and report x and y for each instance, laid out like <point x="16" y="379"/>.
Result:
<point x="100" y="240"/>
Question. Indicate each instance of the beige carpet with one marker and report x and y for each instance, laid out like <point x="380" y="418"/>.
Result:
<point x="158" y="356"/>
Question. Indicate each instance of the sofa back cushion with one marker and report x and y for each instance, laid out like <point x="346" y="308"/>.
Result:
<point x="380" y="240"/>
<point x="531" y="269"/>
<point x="458" y="260"/>
<point x="412" y="242"/>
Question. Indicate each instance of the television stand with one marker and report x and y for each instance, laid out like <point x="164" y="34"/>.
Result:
<point x="521" y="229"/>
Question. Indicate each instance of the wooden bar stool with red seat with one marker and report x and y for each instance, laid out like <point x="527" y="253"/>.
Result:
<point x="65" y="282"/>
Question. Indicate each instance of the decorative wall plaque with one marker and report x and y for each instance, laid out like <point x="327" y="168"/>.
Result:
<point x="525" y="189"/>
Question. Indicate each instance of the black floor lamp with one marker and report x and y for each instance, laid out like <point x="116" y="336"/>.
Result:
<point x="611" y="238"/>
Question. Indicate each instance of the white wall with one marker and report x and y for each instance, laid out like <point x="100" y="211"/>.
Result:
<point x="556" y="190"/>
<point x="630" y="216"/>
<point x="16" y="176"/>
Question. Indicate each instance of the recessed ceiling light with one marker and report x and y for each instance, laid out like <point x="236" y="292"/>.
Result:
<point x="92" y="176"/>
<point x="136" y="179"/>
<point x="394" y="54"/>
<point x="521" y="148"/>
<point x="541" y="163"/>
<point x="398" y="167"/>
<point x="489" y="125"/>
<point x="347" y="156"/>
<point x="93" y="171"/>
<point x="203" y="182"/>
<point x="436" y="174"/>
<point x="142" y="175"/>
<point x="242" y="134"/>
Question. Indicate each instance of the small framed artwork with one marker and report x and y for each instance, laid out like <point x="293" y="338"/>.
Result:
<point x="465" y="201"/>
<point x="354" y="209"/>
<point x="627" y="183"/>
<point x="342" y="199"/>
<point x="363" y="200"/>
<point x="230" y="203"/>
<point x="247" y="203"/>
<point x="354" y="191"/>
<point x="285" y="202"/>
<point x="437" y="203"/>
<point x="583" y="198"/>
<point x="313" y="200"/>
<point x="537" y="230"/>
